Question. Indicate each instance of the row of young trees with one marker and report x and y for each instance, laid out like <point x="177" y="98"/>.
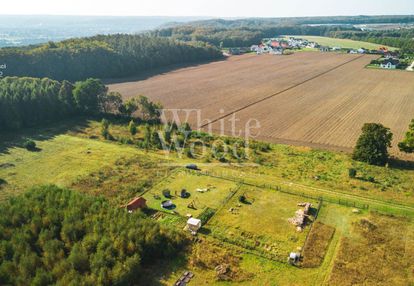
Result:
<point x="52" y="236"/>
<point x="26" y="102"/>
<point x="110" y="56"/>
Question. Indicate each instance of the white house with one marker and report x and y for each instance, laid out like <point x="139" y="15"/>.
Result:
<point x="193" y="225"/>
<point x="389" y="64"/>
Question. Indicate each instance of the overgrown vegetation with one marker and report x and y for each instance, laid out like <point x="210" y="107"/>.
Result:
<point x="317" y="244"/>
<point x="380" y="254"/>
<point x="50" y="235"/>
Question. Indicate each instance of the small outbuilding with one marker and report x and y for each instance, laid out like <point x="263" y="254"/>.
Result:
<point x="293" y="258"/>
<point x="137" y="203"/>
<point x="193" y="225"/>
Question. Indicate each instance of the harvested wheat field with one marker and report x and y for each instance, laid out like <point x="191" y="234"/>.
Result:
<point x="309" y="98"/>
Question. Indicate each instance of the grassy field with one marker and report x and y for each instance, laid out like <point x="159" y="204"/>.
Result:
<point x="88" y="165"/>
<point x="215" y="192"/>
<point x="252" y="239"/>
<point x="343" y="43"/>
<point x="261" y="224"/>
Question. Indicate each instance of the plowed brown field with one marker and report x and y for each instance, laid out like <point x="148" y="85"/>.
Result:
<point x="314" y="99"/>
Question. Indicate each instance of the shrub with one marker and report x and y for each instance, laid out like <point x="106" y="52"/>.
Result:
<point x="30" y="145"/>
<point x="352" y="172"/>
<point x="132" y="128"/>
<point x="242" y="199"/>
<point x="166" y="193"/>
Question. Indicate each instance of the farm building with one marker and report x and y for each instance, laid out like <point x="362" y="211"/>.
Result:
<point x="234" y="51"/>
<point x="137" y="203"/>
<point x="390" y="64"/>
<point x="193" y="225"/>
<point x="293" y="258"/>
<point x="324" y="49"/>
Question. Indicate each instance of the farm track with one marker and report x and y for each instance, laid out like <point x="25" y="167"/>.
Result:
<point x="311" y="99"/>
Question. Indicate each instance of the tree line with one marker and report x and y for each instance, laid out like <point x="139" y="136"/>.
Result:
<point x="241" y="36"/>
<point x="52" y="236"/>
<point x="109" y="56"/>
<point x="245" y="32"/>
<point x="402" y="39"/>
<point x="26" y="102"/>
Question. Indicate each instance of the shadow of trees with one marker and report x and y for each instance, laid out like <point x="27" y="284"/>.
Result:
<point x="9" y="140"/>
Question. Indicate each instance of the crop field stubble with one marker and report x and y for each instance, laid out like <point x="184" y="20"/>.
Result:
<point x="310" y="98"/>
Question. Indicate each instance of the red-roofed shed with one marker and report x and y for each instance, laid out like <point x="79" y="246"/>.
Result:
<point x="137" y="203"/>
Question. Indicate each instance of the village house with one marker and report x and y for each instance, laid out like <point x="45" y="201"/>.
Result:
<point x="137" y="203"/>
<point x="390" y="64"/>
<point x="324" y="49"/>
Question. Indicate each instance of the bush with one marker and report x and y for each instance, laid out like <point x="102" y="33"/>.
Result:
<point x="2" y="182"/>
<point x="132" y="128"/>
<point x="242" y="199"/>
<point x="30" y="145"/>
<point x="352" y="173"/>
<point x="371" y="179"/>
<point x="166" y="193"/>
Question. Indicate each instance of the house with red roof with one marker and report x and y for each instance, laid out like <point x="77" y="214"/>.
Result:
<point x="137" y="203"/>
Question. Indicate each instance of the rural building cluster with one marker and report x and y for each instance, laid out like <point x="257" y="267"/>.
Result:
<point x="286" y="45"/>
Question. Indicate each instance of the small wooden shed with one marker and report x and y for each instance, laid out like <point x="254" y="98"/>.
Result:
<point x="137" y="203"/>
<point x="193" y="225"/>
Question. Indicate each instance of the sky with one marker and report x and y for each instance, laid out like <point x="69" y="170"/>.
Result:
<point x="211" y="8"/>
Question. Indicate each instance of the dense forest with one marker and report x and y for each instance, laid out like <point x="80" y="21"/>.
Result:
<point x="245" y="32"/>
<point x="55" y="236"/>
<point x="26" y="102"/>
<point x="102" y="57"/>
<point x="243" y="36"/>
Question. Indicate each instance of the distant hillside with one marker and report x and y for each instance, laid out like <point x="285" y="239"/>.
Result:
<point x="111" y="56"/>
<point x="330" y="20"/>
<point x="29" y="30"/>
